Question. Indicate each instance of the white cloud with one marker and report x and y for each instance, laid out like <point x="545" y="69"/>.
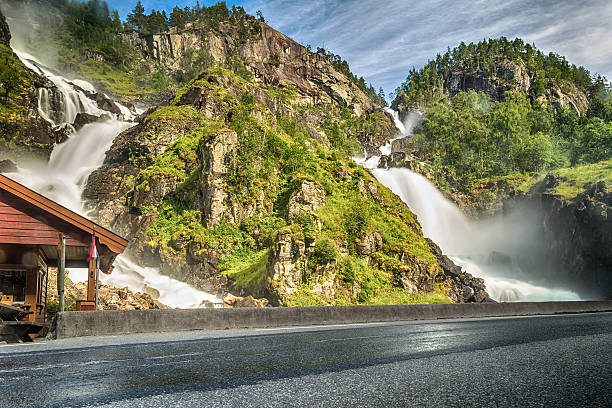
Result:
<point x="383" y="40"/>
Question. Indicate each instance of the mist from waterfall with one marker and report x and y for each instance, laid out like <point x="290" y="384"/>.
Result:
<point x="64" y="176"/>
<point x="488" y="249"/>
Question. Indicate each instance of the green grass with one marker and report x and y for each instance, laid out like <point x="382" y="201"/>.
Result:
<point x="247" y="268"/>
<point x="15" y="83"/>
<point x="574" y="179"/>
<point x="578" y="177"/>
<point x="305" y="298"/>
<point x="397" y="296"/>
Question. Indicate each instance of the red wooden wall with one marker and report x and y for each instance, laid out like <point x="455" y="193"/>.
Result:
<point x="17" y="227"/>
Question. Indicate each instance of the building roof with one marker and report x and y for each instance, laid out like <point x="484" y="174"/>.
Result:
<point x="63" y="219"/>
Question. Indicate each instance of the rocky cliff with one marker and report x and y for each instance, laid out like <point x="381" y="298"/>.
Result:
<point x="576" y="234"/>
<point x="272" y="58"/>
<point x="240" y="186"/>
<point x="259" y="53"/>
<point x="507" y="76"/>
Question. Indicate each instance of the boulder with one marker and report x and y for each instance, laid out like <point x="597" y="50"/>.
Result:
<point x="232" y="301"/>
<point x="83" y="119"/>
<point x="7" y="166"/>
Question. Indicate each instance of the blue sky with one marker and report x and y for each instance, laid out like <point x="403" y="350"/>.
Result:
<point x="382" y="40"/>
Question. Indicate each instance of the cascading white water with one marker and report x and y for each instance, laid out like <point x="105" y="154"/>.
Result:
<point x="127" y="273"/>
<point x="63" y="178"/>
<point x="473" y="246"/>
<point x="469" y="244"/>
<point x="71" y="99"/>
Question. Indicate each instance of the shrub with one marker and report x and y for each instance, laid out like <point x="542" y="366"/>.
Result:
<point x="324" y="252"/>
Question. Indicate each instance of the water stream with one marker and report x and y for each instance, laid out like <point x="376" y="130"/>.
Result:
<point x="63" y="177"/>
<point x="484" y="249"/>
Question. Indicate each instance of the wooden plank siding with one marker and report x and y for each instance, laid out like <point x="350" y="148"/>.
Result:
<point x="17" y="227"/>
<point x="59" y="214"/>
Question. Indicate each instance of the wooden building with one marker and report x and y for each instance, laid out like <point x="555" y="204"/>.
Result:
<point x="31" y="227"/>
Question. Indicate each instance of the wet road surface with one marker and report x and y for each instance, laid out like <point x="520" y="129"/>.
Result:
<point x="553" y="361"/>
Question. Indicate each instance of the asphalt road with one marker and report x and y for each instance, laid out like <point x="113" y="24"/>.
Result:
<point x="548" y="361"/>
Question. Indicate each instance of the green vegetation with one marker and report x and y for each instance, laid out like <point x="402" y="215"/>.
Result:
<point x="304" y="297"/>
<point x="397" y="296"/>
<point x="247" y="268"/>
<point x="15" y="83"/>
<point x="574" y="179"/>
<point x="273" y="157"/>
<point x="427" y="85"/>
<point x="469" y="138"/>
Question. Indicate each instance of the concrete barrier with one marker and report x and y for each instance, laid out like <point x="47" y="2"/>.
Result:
<point x="112" y="322"/>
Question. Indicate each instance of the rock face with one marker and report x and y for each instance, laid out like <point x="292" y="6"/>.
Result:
<point x="5" y="33"/>
<point x="286" y="264"/>
<point x="308" y="197"/>
<point x="508" y="76"/>
<point x="576" y="236"/>
<point x="272" y="57"/>
<point x="214" y="170"/>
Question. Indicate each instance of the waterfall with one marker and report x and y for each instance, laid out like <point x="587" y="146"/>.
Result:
<point x="69" y="97"/>
<point x="485" y="249"/>
<point x="64" y="176"/>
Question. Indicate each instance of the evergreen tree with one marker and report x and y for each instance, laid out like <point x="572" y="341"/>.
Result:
<point x="137" y="18"/>
<point x="178" y="18"/>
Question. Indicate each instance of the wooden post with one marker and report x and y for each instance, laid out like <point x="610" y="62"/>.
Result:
<point x="91" y="281"/>
<point x="61" y="271"/>
<point x="97" y="284"/>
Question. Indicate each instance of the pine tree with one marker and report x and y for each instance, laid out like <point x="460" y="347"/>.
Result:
<point x="137" y="18"/>
<point x="178" y="18"/>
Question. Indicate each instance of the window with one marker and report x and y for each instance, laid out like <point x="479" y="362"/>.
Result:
<point x="13" y="282"/>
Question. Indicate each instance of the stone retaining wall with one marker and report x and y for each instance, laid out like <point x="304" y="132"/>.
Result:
<point x="112" y="322"/>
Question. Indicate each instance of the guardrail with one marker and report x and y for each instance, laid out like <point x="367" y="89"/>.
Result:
<point x="112" y="322"/>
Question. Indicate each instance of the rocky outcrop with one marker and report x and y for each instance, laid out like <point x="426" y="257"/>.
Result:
<point x="214" y="186"/>
<point x="506" y="76"/>
<point x="272" y="58"/>
<point x="510" y="76"/>
<point x="576" y="235"/>
<point x="414" y="276"/>
<point x="309" y="197"/>
<point x="461" y="286"/>
<point x="369" y="243"/>
<point x="286" y="264"/>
